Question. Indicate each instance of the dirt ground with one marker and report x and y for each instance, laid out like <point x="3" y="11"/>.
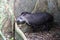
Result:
<point x="53" y="34"/>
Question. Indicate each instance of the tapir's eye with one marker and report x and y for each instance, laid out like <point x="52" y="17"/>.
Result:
<point x="20" y="18"/>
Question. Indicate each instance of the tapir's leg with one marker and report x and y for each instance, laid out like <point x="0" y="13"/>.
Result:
<point x="35" y="28"/>
<point x="47" y="27"/>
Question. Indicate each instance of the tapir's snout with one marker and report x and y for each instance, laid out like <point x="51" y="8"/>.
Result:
<point x="19" y="21"/>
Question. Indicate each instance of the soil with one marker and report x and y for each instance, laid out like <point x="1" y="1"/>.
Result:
<point x="53" y="34"/>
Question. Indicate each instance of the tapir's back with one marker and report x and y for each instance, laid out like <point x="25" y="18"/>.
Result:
<point x="39" y="18"/>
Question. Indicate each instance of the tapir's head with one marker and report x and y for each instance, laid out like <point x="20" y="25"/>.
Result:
<point x="22" y="18"/>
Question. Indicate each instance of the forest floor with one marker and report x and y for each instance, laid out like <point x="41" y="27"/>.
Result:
<point x="53" y="34"/>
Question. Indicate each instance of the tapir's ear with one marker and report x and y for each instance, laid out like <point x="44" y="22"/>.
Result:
<point x="24" y="13"/>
